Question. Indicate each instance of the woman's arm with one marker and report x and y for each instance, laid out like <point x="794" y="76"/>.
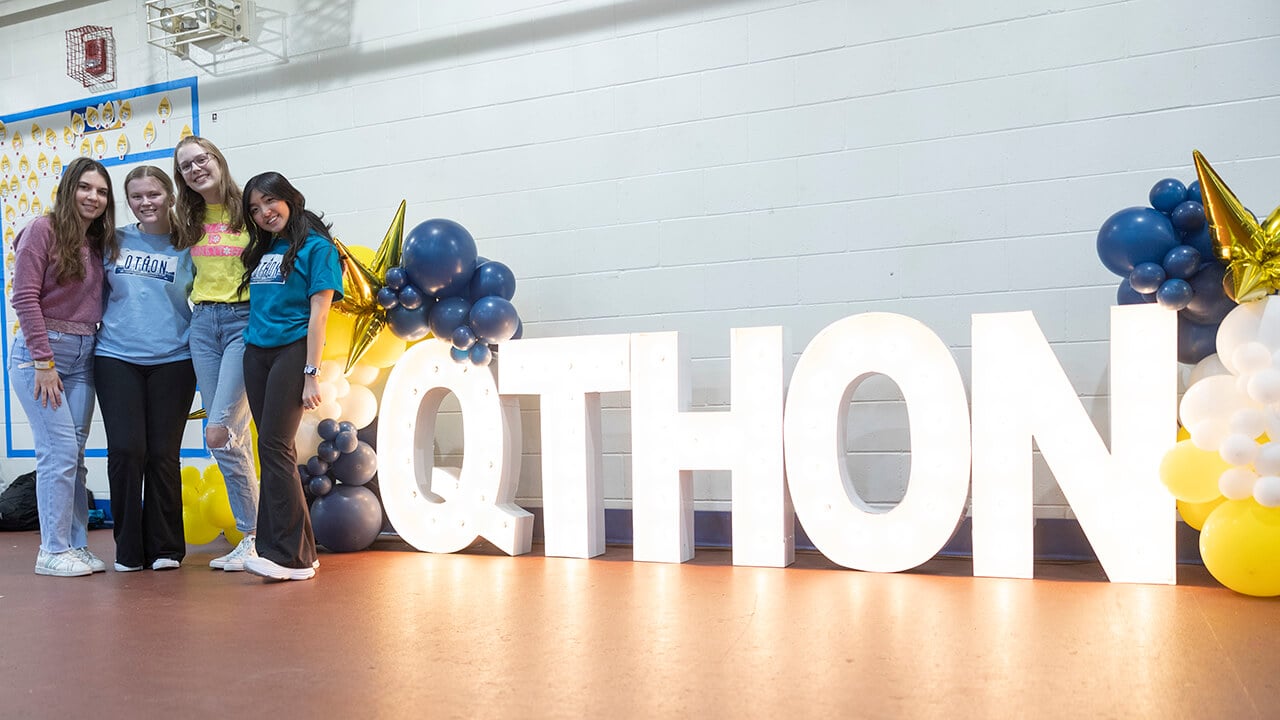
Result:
<point x="320" y="302"/>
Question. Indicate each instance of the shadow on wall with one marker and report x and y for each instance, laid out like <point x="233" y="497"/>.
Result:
<point x="315" y="25"/>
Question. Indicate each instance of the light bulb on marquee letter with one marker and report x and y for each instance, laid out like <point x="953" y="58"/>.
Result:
<point x="480" y="503"/>
<point x="839" y="523"/>
<point x="568" y="375"/>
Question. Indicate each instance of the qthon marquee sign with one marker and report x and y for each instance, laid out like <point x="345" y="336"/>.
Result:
<point x="785" y="451"/>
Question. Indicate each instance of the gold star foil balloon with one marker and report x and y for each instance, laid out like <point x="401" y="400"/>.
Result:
<point x="360" y="285"/>
<point x="1250" y="249"/>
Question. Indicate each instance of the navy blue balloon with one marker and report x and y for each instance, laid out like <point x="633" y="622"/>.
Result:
<point x="447" y="315"/>
<point x="1147" y="277"/>
<point x="1195" y="342"/>
<point x="1193" y="192"/>
<point x="356" y="467"/>
<point x="492" y="278"/>
<point x="1201" y="240"/>
<point x="327" y="452"/>
<point x="396" y="278"/>
<point x="348" y="519"/>
<point x="346" y="441"/>
<point x="1166" y="194"/>
<point x="493" y="319"/>
<point x="387" y="298"/>
<point x="439" y="257"/>
<point x="1210" y="303"/>
<point x="327" y="429"/>
<point x="1182" y="262"/>
<point x="459" y="356"/>
<point x="1126" y="295"/>
<point x="409" y="324"/>
<point x="316" y="466"/>
<point x="410" y="297"/>
<point x="463" y="338"/>
<point x="519" y="331"/>
<point x="480" y="355"/>
<point x="320" y="485"/>
<point x="347" y="426"/>
<point x="1188" y="217"/>
<point x="1174" y="294"/>
<point x="1133" y="236"/>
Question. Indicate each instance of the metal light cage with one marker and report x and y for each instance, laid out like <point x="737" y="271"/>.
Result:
<point x="173" y="25"/>
<point x="91" y="55"/>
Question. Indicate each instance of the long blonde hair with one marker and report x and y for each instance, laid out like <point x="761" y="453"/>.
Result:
<point x="68" y="235"/>
<point x="190" y="207"/>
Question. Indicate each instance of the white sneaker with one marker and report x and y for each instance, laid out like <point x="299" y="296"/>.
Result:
<point x="165" y="564"/>
<point x="64" y="564"/>
<point x="127" y="568"/>
<point x="263" y="567"/>
<point x="93" y="561"/>
<point x="234" y="560"/>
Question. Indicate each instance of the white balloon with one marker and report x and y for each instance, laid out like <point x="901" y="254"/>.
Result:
<point x="1264" y="386"/>
<point x="330" y="370"/>
<point x="306" y="440"/>
<point x="327" y="409"/>
<point x="1267" y="491"/>
<point x="1238" y="327"/>
<point x="1237" y="483"/>
<point x="1213" y="398"/>
<point x="341" y="387"/>
<point x="327" y="391"/>
<point x="362" y="375"/>
<point x="1238" y="449"/>
<point x="359" y="407"/>
<point x="1268" y="460"/>
<point x="1249" y="421"/>
<point x="1242" y="384"/>
<point x="1251" y="357"/>
<point x="1207" y="367"/>
<point x="1209" y="434"/>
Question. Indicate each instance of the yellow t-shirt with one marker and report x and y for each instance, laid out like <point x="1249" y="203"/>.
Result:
<point x="217" y="260"/>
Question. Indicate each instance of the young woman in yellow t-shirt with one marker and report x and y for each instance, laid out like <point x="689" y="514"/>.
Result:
<point x="211" y="223"/>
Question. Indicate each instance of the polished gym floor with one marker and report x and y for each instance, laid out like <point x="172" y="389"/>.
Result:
<point x="394" y="633"/>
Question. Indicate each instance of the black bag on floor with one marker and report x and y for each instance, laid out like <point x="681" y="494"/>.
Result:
<point x="18" y="509"/>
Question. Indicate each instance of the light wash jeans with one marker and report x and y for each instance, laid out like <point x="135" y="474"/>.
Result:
<point x="217" y="351"/>
<point x="59" y="437"/>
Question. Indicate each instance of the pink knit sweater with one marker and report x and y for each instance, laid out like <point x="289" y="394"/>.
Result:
<point x="37" y="296"/>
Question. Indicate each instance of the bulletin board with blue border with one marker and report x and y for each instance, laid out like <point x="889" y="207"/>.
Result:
<point x="122" y="128"/>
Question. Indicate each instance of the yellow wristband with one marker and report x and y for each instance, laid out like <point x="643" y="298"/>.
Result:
<point x="42" y="364"/>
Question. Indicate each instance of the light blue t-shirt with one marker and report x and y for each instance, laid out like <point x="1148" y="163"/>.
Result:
<point x="146" y="318"/>
<point x="279" y="304"/>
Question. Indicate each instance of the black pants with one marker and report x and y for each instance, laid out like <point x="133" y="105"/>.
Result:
<point x="144" y="409"/>
<point x="273" y="381"/>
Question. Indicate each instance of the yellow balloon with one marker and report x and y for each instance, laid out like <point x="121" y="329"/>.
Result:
<point x="362" y="253"/>
<point x="234" y="536"/>
<point x="216" y="509"/>
<point x="1240" y="545"/>
<point x="337" y="336"/>
<point x="1194" y="514"/>
<point x="1191" y="474"/>
<point x="191" y="484"/>
<point x="195" y="529"/>
<point x="385" y="350"/>
<point x="212" y="478"/>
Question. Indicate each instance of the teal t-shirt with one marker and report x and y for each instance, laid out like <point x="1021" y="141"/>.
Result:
<point x="279" y="304"/>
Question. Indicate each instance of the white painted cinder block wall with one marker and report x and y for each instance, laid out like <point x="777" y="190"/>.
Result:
<point x="699" y="165"/>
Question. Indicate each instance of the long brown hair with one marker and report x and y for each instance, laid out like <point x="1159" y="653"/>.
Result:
<point x="155" y="173"/>
<point x="190" y="207"/>
<point x="68" y="236"/>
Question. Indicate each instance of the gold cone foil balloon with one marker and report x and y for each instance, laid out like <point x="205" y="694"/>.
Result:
<point x="360" y="286"/>
<point x="1250" y="249"/>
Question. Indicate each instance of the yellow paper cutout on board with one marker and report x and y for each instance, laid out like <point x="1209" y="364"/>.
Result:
<point x="164" y="109"/>
<point x="186" y="133"/>
<point x="86" y="148"/>
<point x="53" y="196"/>
<point x="149" y="133"/>
<point x="8" y="240"/>
<point x="51" y="138"/>
<point x="42" y="162"/>
<point x="108" y="113"/>
<point x="24" y="165"/>
<point x="14" y="186"/>
<point x="5" y="166"/>
<point x="122" y="146"/>
<point x="56" y="166"/>
<point x="68" y="136"/>
<point x="9" y="213"/>
<point x="100" y="146"/>
<point x="23" y="204"/>
<point x="77" y="124"/>
<point x="4" y="132"/>
<point x="16" y="143"/>
<point x="91" y="117"/>
<point x="126" y="111"/>
<point x="36" y="133"/>
<point x="33" y="181"/>
<point x="36" y="207"/>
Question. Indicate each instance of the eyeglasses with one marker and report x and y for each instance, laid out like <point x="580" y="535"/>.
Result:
<point x="197" y="161"/>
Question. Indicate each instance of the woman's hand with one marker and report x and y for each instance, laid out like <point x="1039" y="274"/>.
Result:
<point x="49" y="388"/>
<point x="310" y="393"/>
